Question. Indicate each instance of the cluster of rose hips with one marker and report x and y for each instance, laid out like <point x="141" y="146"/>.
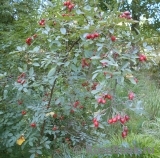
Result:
<point x="142" y="57"/>
<point x="126" y="15"/>
<point x="102" y="100"/>
<point x="85" y="84"/>
<point x="23" y="112"/>
<point x="42" y="22"/>
<point x="95" y="122"/>
<point x="55" y="116"/>
<point x="20" y="102"/>
<point x="21" y="78"/>
<point x="33" y="125"/>
<point x="125" y="132"/>
<point x="131" y="96"/>
<point x="29" y="39"/>
<point x="84" y="63"/>
<point x="93" y="87"/>
<point x="72" y="111"/>
<point x="69" y="5"/>
<point x="113" y="38"/>
<point x="75" y="105"/>
<point x="121" y="119"/>
<point x="92" y="36"/>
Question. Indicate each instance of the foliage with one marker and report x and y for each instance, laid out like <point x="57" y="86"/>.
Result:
<point x="17" y="20"/>
<point x="66" y="75"/>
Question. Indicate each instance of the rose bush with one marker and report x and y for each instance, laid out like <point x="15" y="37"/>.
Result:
<point x="68" y="77"/>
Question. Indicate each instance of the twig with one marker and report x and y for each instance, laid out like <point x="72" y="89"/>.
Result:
<point x="74" y="44"/>
<point x="85" y="18"/>
<point x="53" y="89"/>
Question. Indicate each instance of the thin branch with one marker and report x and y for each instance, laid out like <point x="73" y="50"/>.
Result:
<point x="54" y="83"/>
<point x="74" y="44"/>
<point x="85" y="18"/>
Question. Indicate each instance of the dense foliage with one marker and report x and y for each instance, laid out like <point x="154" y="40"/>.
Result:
<point x="60" y="84"/>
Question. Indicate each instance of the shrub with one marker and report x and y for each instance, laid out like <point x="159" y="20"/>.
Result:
<point x="65" y="91"/>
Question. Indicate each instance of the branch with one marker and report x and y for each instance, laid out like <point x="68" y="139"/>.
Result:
<point x="85" y="18"/>
<point x="54" y="83"/>
<point x="74" y="44"/>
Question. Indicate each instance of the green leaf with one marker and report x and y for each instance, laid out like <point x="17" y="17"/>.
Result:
<point x="149" y="48"/>
<point x="32" y="156"/>
<point x="120" y="80"/>
<point x="35" y="64"/>
<point x="111" y="31"/>
<point x="30" y="143"/>
<point x="94" y="76"/>
<point x="19" y="48"/>
<point x="20" y="69"/>
<point x="47" y="146"/>
<point x="31" y="71"/>
<point x="25" y="90"/>
<point x="144" y="44"/>
<point x="52" y="80"/>
<point x="1" y="112"/>
<point x="5" y="94"/>
<point x="87" y="7"/>
<point x="125" y="66"/>
<point x="66" y="64"/>
<point x="99" y="48"/>
<point x="57" y="101"/>
<point x="95" y="57"/>
<point x="73" y="67"/>
<point x="36" y="49"/>
<point x="55" y="42"/>
<point x="100" y="44"/>
<point x="1" y="76"/>
<point x="101" y="126"/>
<point x="95" y="91"/>
<point x="78" y="11"/>
<point x="51" y="72"/>
<point x="108" y="6"/>
<point x="63" y="30"/>
<point x="132" y="80"/>
<point x="39" y="152"/>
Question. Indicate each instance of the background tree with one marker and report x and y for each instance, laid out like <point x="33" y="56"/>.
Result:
<point x="146" y="8"/>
